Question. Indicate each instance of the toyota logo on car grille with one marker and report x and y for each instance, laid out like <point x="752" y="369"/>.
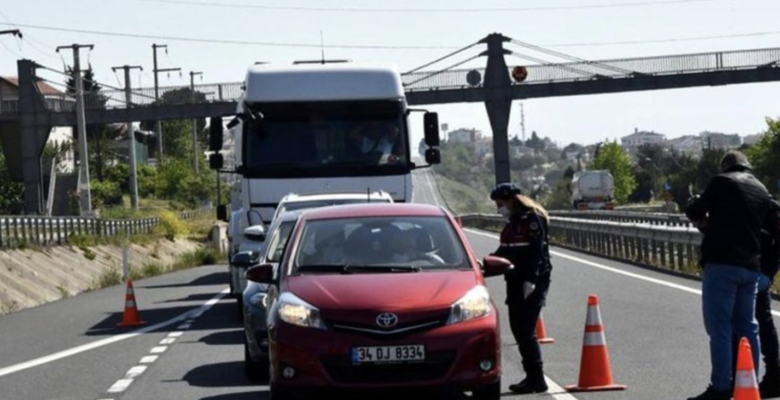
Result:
<point x="386" y="320"/>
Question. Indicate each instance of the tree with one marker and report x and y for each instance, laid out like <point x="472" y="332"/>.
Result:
<point x="11" y="192"/>
<point x="176" y="97"/>
<point x="535" y="143"/>
<point x="765" y="156"/>
<point x="613" y="158"/>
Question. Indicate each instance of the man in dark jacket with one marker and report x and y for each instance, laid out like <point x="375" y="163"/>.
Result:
<point x="736" y="207"/>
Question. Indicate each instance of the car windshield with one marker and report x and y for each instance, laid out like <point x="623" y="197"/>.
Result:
<point x="300" y="205"/>
<point x="321" y="139"/>
<point x="379" y="244"/>
<point x="279" y="239"/>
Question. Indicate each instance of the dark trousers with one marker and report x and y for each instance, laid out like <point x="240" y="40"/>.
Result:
<point x="767" y="333"/>
<point x="523" y="316"/>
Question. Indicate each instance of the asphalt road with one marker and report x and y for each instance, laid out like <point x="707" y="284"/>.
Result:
<point x="72" y="349"/>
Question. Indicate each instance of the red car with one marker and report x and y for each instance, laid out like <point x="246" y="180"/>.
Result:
<point x="381" y="296"/>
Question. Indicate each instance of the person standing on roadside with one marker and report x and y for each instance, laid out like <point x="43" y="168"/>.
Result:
<point x="524" y="242"/>
<point x="735" y="206"/>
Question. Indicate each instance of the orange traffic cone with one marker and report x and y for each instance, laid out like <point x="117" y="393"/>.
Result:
<point x="595" y="370"/>
<point x="541" y="333"/>
<point x="745" y="384"/>
<point x="131" y="317"/>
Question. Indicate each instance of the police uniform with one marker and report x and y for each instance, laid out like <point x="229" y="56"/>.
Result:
<point x="524" y="242"/>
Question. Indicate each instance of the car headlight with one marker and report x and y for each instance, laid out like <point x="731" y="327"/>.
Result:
<point x="474" y="304"/>
<point x="295" y="311"/>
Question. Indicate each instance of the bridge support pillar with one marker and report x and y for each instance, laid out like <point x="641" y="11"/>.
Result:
<point x="34" y="129"/>
<point x="498" y="101"/>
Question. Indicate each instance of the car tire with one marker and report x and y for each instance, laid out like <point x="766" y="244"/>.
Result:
<point x="280" y="393"/>
<point x="255" y="371"/>
<point x="240" y="307"/>
<point x="491" y="391"/>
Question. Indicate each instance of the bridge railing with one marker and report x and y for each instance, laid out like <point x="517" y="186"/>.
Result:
<point x="18" y="231"/>
<point x="612" y="68"/>
<point x="141" y="97"/>
<point x="670" y="247"/>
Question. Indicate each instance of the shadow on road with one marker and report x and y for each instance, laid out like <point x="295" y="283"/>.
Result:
<point x="108" y="325"/>
<point x="200" y="297"/>
<point x="220" y="316"/>
<point x="260" y="395"/>
<point x="224" y="374"/>
<point x="216" y="278"/>
<point x="232" y="337"/>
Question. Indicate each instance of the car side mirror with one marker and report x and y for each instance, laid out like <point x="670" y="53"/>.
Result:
<point x="245" y="259"/>
<point x="222" y="213"/>
<point x="493" y="266"/>
<point x="216" y="134"/>
<point x="263" y="273"/>
<point x="432" y="156"/>
<point x="255" y="233"/>
<point x="431" y="128"/>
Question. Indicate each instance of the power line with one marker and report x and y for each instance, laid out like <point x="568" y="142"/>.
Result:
<point x="223" y="41"/>
<point x="668" y="40"/>
<point x="384" y="47"/>
<point x="428" y="10"/>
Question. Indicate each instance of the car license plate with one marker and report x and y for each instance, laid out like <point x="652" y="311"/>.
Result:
<point x="387" y="354"/>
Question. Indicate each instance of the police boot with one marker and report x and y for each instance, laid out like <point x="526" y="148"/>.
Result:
<point x="770" y="384"/>
<point x="530" y="385"/>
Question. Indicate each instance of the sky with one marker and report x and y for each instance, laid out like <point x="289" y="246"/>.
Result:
<point x="411" y="33"/>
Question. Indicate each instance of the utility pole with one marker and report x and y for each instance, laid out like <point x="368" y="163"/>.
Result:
<point x="131" y="133"/>
<point x="522" y="121"/>
<point x="81" y="125"/>
<point x="14" y="32"/>
<point x="158" y="126"/>
<point x="194" y="123"/>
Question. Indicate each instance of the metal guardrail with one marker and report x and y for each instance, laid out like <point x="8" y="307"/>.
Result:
<point x="628" y="216"/>
<point x="670" y="247"/>
<point x="16" y="231"/>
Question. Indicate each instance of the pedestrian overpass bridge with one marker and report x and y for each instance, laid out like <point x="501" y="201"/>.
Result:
<point x="26" y="122"/>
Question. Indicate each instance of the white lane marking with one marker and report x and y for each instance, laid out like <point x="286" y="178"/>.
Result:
<point x="123" y="384"/>
<point x="148" y="359"/>
<point x="135" y="371"/>
<point x="557" y="392"/>
<point x="103" y="342"/>
<point x="431" y="191"/>
<point x="616" y="270"/>
<point x="120" y="386"/>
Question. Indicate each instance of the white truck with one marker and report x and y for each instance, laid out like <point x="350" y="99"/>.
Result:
<point x="318" y="127"/>
<point x="593" y="190"/>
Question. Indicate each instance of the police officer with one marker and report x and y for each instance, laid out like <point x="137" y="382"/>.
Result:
<point x="524" y="243"/>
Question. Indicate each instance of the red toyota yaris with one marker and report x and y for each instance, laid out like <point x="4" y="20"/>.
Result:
<point x="381" y="296"/>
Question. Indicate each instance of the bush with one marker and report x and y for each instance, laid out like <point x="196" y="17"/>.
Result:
<point x="171" y="226"/>
<point x="120" y="175"/>
<point x="105" y="194"/>
<point x="147" y="177"/>
<point x="109" y="277"/>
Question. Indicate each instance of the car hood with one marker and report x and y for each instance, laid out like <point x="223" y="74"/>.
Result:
<point x="359" y="298"/>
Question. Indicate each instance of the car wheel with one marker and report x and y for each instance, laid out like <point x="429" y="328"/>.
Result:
<point x="240" y="307"/>
<point x="280" y="393"/>
<point x="254" y="370"/>
<point x="491" y="391"/>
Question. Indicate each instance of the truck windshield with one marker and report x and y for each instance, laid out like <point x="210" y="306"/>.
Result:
<point x="351" y="138"/>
